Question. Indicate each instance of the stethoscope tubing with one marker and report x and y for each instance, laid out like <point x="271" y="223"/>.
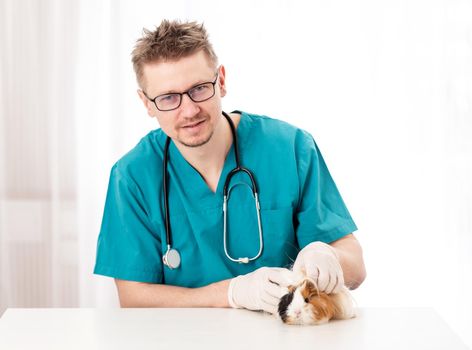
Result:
<point x="172" y="257"/>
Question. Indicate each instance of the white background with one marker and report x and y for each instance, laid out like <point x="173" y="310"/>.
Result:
<point x="385" y="87"/>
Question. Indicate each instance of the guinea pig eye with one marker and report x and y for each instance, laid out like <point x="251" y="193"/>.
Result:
<point x="307" y="300"/>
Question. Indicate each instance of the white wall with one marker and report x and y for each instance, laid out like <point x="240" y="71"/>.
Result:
<point x="384" y="86"/>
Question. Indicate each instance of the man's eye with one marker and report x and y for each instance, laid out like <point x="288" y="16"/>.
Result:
<point x="167" y="98"/>
<point x="199" y="88"/>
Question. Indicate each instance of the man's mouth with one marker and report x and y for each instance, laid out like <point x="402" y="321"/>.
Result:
<point x="189" y="126"/>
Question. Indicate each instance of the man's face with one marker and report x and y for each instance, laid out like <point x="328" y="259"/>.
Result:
<point x="192" y="124"/>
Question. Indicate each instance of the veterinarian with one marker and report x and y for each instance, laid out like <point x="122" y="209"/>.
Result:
<point x="214" y="208"/>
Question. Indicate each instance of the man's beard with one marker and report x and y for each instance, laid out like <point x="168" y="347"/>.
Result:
<point x="198" y="143"/>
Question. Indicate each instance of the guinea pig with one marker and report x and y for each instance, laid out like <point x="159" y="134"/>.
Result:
<point x="305" y="305"/>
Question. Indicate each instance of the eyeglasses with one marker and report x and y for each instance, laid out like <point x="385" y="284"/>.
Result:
<point x="199" y="93"/>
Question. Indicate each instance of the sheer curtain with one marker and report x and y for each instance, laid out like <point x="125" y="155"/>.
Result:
<point x="384" y="87"/>
<point x="38" y="193"/>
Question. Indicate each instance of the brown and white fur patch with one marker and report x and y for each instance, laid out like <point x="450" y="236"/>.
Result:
<point x="305" y="305"/>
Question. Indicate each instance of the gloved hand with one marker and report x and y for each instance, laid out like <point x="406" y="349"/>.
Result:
<point x="319" y="261"/>
<point x="260" y="289"/>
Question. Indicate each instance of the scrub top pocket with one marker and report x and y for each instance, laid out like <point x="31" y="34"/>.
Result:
<point x="280" y="244"/>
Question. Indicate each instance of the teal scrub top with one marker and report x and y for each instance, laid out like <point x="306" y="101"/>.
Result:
<point x="298" y="197"/>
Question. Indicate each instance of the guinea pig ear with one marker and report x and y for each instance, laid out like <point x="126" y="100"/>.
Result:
<point x="311" y="287"/>
<point x="309" y="284"/>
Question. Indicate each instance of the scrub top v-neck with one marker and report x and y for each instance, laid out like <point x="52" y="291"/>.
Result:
<point x="299" y="204"/>
<point x="199" y="189"/>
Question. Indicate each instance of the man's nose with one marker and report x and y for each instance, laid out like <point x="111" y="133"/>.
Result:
<point x="188" y="108"/>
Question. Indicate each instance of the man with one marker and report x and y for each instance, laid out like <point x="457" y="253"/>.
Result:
<point x="181" y="85"/>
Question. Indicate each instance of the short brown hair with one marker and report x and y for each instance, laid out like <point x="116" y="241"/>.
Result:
<point x="172" y="40"/>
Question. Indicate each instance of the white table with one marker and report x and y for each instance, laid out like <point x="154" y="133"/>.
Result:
<point x="373" y="328"/>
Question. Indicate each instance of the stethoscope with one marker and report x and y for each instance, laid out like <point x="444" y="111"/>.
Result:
<point x="172" y="257"/>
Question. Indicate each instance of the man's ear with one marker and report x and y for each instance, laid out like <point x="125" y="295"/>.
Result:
<point x="149" y="105"/>
<point x="222" y="80"/>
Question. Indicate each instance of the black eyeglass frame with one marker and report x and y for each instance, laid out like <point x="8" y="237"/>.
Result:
<point x="181" y="95"/>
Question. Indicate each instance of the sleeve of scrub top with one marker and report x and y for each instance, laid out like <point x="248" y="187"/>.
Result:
<point x="128" y="246"/>
<point x="321" y="213"/>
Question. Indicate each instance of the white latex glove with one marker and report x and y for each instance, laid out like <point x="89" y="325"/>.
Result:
<point x="260" y="289"/>
<point x="319" y="261"/>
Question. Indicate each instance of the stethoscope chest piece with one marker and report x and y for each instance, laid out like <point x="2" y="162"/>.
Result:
<point x="171" y="258"/>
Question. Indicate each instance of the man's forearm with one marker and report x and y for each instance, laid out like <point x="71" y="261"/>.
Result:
<point x="137" y="294"/>
<point x="349" y="252"/>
